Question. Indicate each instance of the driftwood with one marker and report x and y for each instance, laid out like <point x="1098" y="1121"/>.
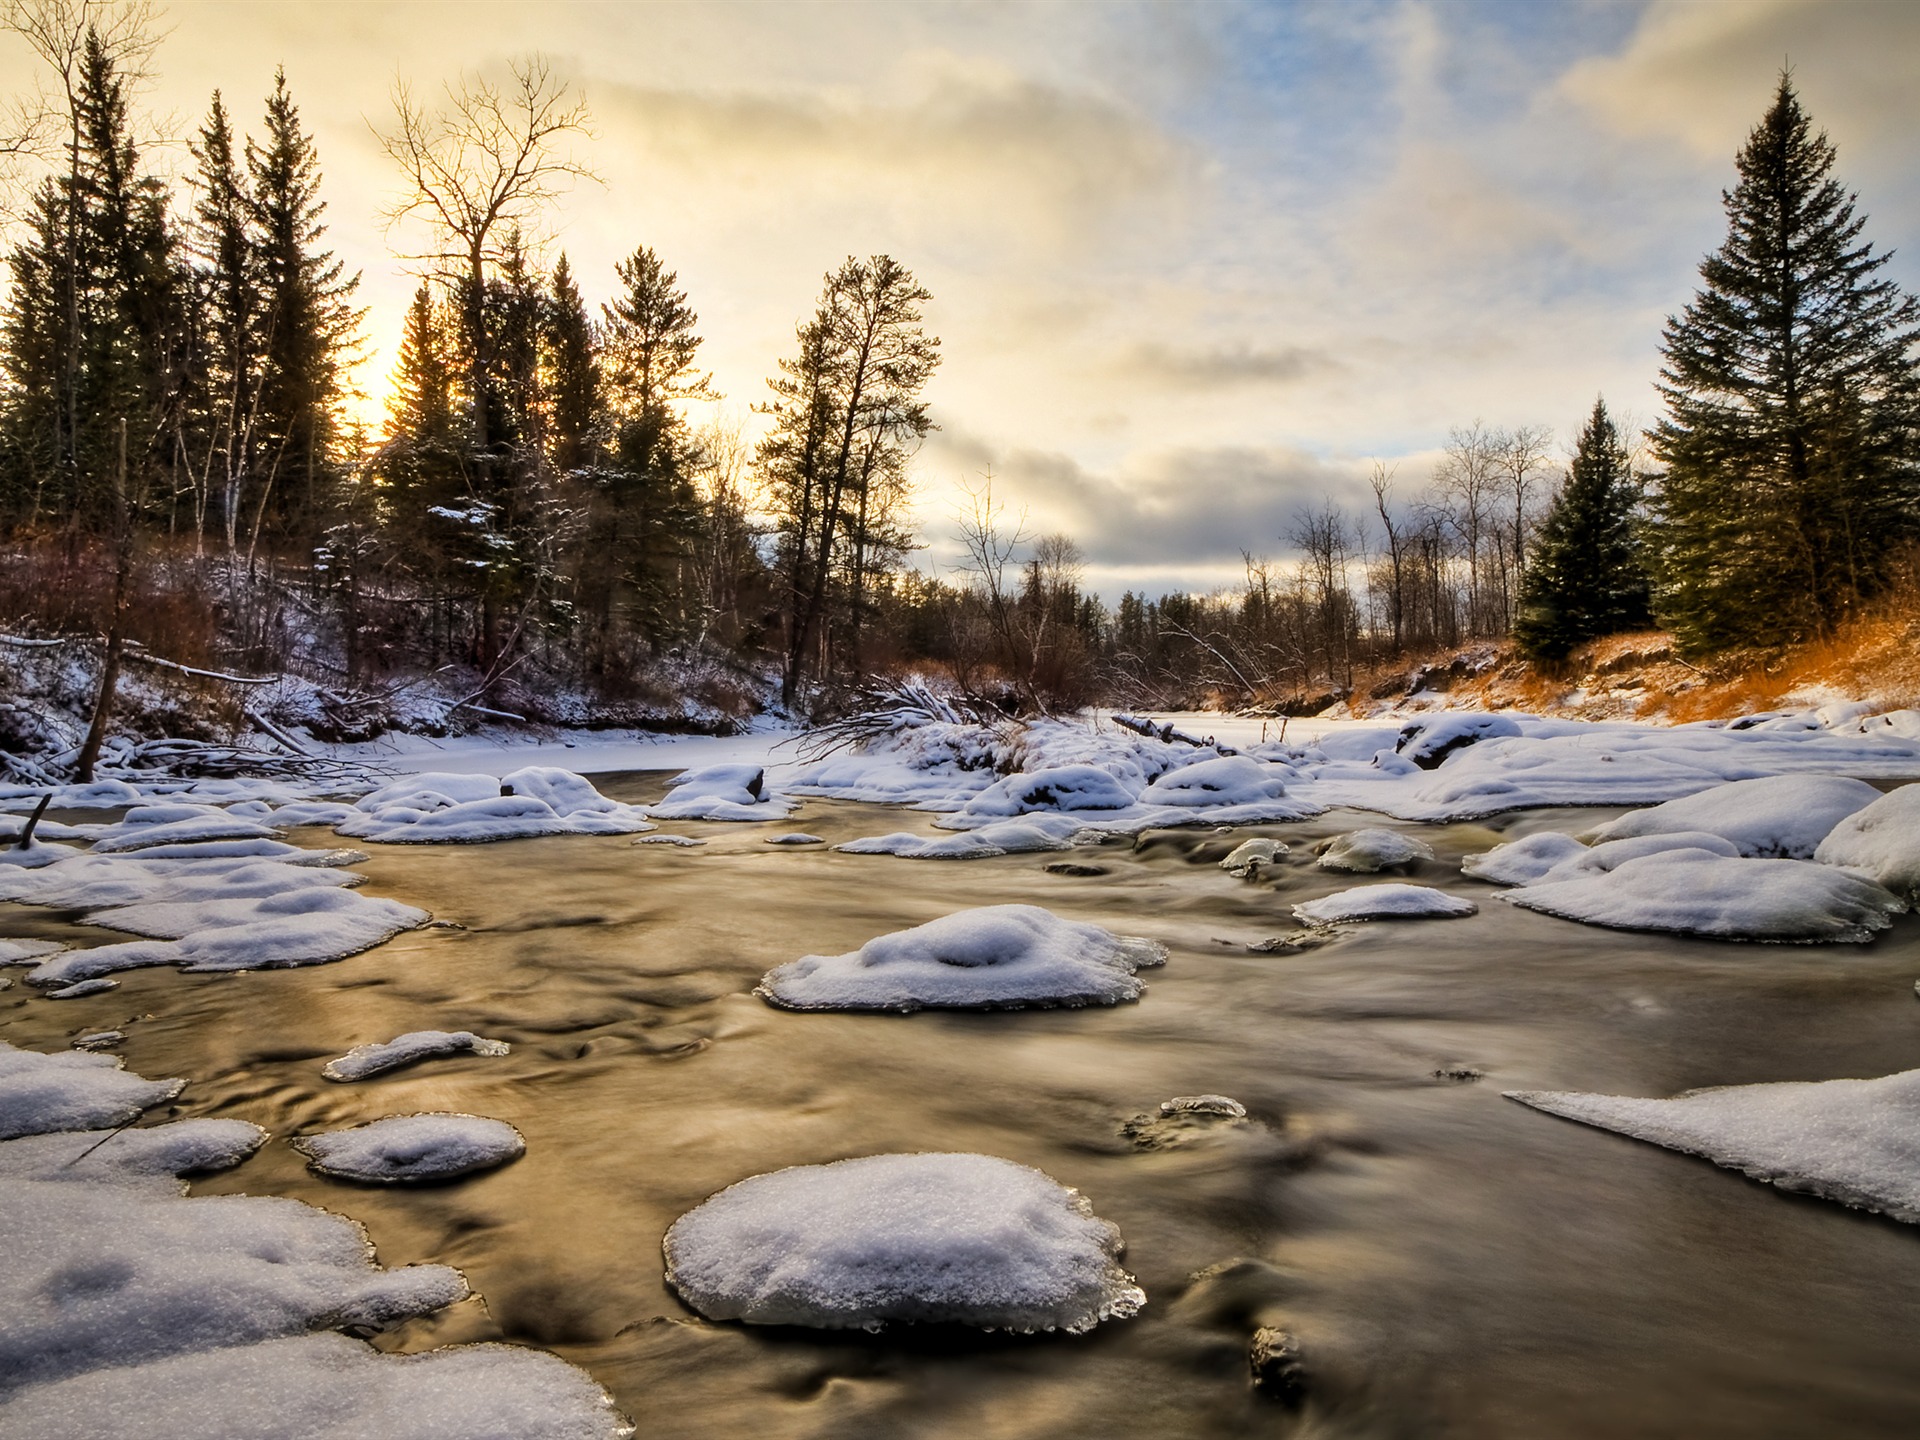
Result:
<point x="1167" y="734"/>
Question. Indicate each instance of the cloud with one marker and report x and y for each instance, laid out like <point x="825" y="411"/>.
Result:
<point x="1230" y="364"/>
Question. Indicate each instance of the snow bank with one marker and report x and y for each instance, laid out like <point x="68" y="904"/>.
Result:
<point x="1523" y="861"/>
<point x="1776" y="815"/>
<point x="1005" y="837"/>
<point x="966" y="1239"/>
<point x="1845" y="1140"/>
<point x="1696" y="892"/>
<point x="1428" y="741"/>
<point x="71" y="1090"/>
<point x="1383" y="902"/>
<point x="364" y="1061"/>
<point x="1883" y="840"/>
<point x="440" y="808"/>
<point x="412" y="1149"/>
<point x="149" y="825"/>
<point x="1369" y="851"/>
<point x="325" y="1387"/>
<point x="1000" y="956"/>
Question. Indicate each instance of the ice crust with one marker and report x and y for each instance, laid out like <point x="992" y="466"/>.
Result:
<point x="1697" y="892"/>
<point x="71" y="1090"/>
<point x="1383" y="902"/>
<point x="1882" y="840"/>
<point x="966" y="1239"/>
<point x="364" y="1061"/>
<point x="1784" y="816"/>
<point x="1369" y="851"/>
<point x="999" y="956"/>
<point x="1846" y="1140"/>
<point x="413" y="1149"/>
<point x="438" y="808"/>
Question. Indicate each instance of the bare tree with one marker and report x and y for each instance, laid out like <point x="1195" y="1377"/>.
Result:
<point x="1381" y="482"/>
<point x="1522" y="461"/>
<point x="1465" y="479"/>
<point x="990" y="547"/>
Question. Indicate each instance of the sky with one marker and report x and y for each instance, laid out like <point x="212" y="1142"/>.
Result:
<point x="1194" y="266"/>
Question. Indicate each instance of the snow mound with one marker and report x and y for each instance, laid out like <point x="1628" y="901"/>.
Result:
<point x="1696" y="892"/>
<point x="1845" y="1140"/>
<point x="1004" y="837"/>
<point x="37" y="854"/>
<point x="1883" y="840"/>
<point x="1248" y="856"/>
<point x="111" y="1275"/>
<point x="1229" y="780"/>
<point x="682" y="840"/>
<point x="1062" y="787"/>
<point x="963" y="1239"/>
<point x="98" y="882"/>
<point x="71" y="1090"/>
<point x="366" y="1060"/>
<point x="1428" y="742"/>
<point x="795" y="837"/>
<point x="1523" y="861"/>
<point x="326" y="1387"/>
<point x="1369" y="851"/>
<point x="1383" y="902"/>
<point x="721" y="792"/>
<point x="1776" y="815"/>
<point x="150" y="825"/>
<point x="996" y="957"/>
<point x="412" y="1149"/>
<point x="154" y="1159"/>
<point x="438" y="808"/>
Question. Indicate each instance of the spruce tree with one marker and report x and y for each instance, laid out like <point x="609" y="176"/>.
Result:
<point x="572" y="373"/>
<point x="1586" y="578"/>
<point x="227" y="367"/>
<point x="1792" y="436"/>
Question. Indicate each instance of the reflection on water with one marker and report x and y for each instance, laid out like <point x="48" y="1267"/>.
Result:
<point x="1451" y="1262"/>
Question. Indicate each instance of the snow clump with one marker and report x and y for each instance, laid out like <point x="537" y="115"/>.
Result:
<point x="412" y="1149"/>
<point x="721" y="792"/>
<point x="1845" y="1140"/>
<point x="437" y="808"/>
<point x="1369" y="851"/>
<point x="996" y="957"/>
<point x="1383" y="902"/>
<point x="1697" y="892"/>
<point x="1777" y="815"/>
<point x="71" y="1090"/>
<point x="1882" y="840"/>
<point x="367" y="1060"/>
<point x="953" y="1238"/>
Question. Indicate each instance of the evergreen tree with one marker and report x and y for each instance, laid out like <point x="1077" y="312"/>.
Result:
<point x="1792" y="439"/>
<point x="222" y="450"/>
<point x="572" y="373"/>
<point x="1586" y="578"/>
<point x="310" y="323"/>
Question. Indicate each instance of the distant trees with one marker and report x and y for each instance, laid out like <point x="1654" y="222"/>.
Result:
<point x="1792" y="435"/>
<point x="1586" y="578"/>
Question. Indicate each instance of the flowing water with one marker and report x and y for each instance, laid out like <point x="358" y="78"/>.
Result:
<point x="1451" y="1262"/>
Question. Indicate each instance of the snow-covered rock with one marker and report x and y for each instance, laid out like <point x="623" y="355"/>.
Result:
<point x="1248" y="856"/>
<point x="1062" y="787"/>
<point x="795" y="837"/>
<point x="437" y="808"/>
<point x="1883" y="840"/>
<point x="1369" y="851"/>
<point x="1523" y="861"/>
<point x="721" y="792"/>
<point x="1776" y="815"/>
<point x="1430" y="740"/>
<point x="1004" y="837"/>
<point x="364" y="1061"/>
<point x="966" y="1239"/>
<point x="1383" y="902"/>
<point x="996" y="957"/>
<point x="71" y="1090"/>
<point x="1228" y="780"/>
<point x="1846" y="1140"/>
<point x="412" y="1149"/>
<point x="1697" y="892"/>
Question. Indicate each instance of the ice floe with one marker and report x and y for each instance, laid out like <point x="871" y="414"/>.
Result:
<point x="1845" y="1140"/>
<point x="437" y="808"/>
<point x="1383" y="902"/>
<point x="1883" y="840"/>
<point x="963" y="1239"/>
<point x="364" y="1061"/>
<point x="1368" y="851"/>
<point x="999" y="956"/>
<point x="1784" y="816"/>
<point x="71" y="1090"/>
<point x="412" y="1149"/>
<point x="1697" y="892"/>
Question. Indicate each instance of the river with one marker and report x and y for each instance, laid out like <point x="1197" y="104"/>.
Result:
<point x="1451" y="1262"/>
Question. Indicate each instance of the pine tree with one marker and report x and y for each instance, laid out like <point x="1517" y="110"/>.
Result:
<point x="572" y="370"/>
<point x="227" y="367"/>
<point x="1792" y="439"/>
<point x="310" y="324"/>
<point x="1586" y="578"/>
